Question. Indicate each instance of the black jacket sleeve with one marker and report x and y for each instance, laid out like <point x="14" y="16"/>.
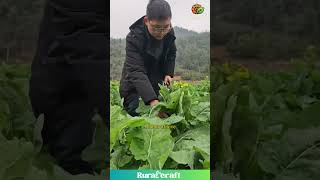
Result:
<point x="136" y="71"/>
<point x="171" y="59"/>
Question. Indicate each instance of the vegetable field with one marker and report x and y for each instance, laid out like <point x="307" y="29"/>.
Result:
<point x="181" y="141"/>
<point x="267" y="125"/>
<point x="20" y="135"/>
<point x="263" y="126"/>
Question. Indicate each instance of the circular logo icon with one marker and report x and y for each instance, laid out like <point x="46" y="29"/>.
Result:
<point x="197" y="9"/>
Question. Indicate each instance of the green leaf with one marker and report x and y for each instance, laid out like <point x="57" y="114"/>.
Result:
<point x="146" y="166"/>
<point x="118" y="121"/>
<point x="119" y="157"/>
<point x="143" y="108"/>
<point x="164" y="92"/>
<point x="201" y="111"/>
<point x="226" y="127"/>
<point x="221" y="176"/>
<point x="205" y="164"/>
<point x="4" y="115"/>
<point x="167" y="121"/>
<point x="315" y="75"/>
<point x="173" y="100"/>
<point x="95" y="153"/>
<point x="245" y="135"/>
<point x="190" y="141"/>
<point x="306" y="101"/>
<point x="60" y="174"/>
<point x="295" y="156"/>
<point x="183" y="157"/>
<point x="152" y="145"/>
<point x="37" y="137"/>
<point x="35" y="173"/>
<point x="16" y="158"/>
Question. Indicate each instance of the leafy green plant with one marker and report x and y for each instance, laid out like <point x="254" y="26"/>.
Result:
<point x="148" y="142"/>
<point x="266" y="125"/>
<point x="22" y="154"/>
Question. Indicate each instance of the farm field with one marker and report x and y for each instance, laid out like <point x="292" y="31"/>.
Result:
<point x="266" y="125"/>
<point x="263" y="126"/>
<point x="180" y="141"/>
<point x="20" y="135"/>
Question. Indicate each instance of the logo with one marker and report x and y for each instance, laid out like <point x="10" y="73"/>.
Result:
<point x="158" y="175"/>
<point x="197" y="9"/>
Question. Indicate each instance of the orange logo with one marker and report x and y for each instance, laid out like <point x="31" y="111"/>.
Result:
<point x="197" y="9"/>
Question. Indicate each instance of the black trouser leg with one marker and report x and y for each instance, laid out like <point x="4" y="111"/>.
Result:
<point x="131" y="103"/>
<point x="70" y="132"/>
<point x="68" y="96"/>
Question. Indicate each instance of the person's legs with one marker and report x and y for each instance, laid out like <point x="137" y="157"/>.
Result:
<point x="46" y="85"/>
<point x="68" y="96"/>
<point x="92" y="79"/>
<point x="131" y="103"/>
<point x="71" y="130"/>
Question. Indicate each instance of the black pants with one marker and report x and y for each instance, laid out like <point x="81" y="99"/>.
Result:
<point x="131" y="103"/>
<point x="69" y="95"/>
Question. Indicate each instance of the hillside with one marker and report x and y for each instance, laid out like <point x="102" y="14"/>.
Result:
<point x="266" y="30"/>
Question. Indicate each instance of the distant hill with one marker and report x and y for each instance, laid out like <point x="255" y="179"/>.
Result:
<point x="181" y="32"/>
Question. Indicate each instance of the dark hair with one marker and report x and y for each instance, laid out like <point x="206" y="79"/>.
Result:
<point x="158" y="9"/>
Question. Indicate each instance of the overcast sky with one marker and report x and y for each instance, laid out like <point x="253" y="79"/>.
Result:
<point x="125" y="12"/>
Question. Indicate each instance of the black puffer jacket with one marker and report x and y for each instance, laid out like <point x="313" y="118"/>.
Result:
<point x="142" y="69"/>
<point x="73" y="31"/>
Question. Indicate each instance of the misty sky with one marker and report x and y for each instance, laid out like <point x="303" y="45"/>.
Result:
<point x="125" y="12"/>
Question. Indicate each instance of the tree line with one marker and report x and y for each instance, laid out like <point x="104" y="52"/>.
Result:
<point x="266" y="29"/>
<point x="19" y="22"/>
